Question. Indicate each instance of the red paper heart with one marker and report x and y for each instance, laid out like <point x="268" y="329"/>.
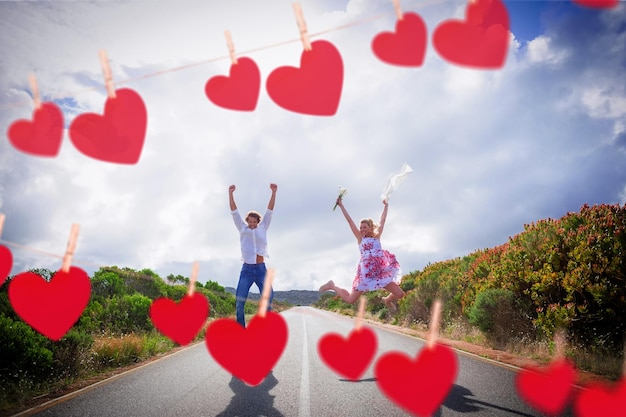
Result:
<point x="547" y="390"/>
<point x="117" y="136"/>
<point x="6" y="263"/>
<point x="600" y="400"/>
<point x="239" y="91"/>
<point x="348" y="357"/>
<point x="419" y="386"/>
<point x="598" y="4"/>
<point x="52" y="307"/>
<point x="42" y="136"/>
<point x="248" y="353"/>
<point x="480" y="41"/>
<point x="315" y="87"/>
<point x="181" y="321"/>
<point x="407" y="46"/>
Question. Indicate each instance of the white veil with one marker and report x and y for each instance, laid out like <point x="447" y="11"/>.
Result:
<point x="395" y="180"/>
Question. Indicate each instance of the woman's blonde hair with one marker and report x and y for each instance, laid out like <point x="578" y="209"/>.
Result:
<point x="372" y="226"/>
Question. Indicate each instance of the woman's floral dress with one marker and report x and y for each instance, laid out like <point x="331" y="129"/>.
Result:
<point x="377" y="267"/>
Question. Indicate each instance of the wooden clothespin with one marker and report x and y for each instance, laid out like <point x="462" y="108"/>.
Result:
<point x="265" y="297"/>
<point x="33" y="86"/>
<point x="106" y="71"/>
<point x="231" y="47"/>
<point x="359" y="316"/>
<point x="398" y="9"/>
<point x="433" y="328"/>
<point x="193" y="279"/>
<point x="304" y="35"/>
<point x="71" y="246"/>
<point x="2" y="219"/>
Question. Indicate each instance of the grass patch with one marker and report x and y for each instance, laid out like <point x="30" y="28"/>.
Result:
<point x="116" y="351"/>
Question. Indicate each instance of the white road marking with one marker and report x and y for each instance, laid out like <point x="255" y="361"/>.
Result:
<point x="305" y="404"/>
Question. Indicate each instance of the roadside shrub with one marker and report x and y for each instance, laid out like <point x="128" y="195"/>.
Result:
<point x="139" y="312"/>
<point x="213" y="286"/>
<point x="413" y="308"/>
<point x="128" y="314"/>
<point x="71" y="353"/>
<point x="497" y="314"/>
<point x="25" y="353"/>
<point x="222" y="304"/>
<point x="91" y="318"/>
<point x="107" y="284"/>
<point x="176" y="292"/>
<point x="489" y="307"/>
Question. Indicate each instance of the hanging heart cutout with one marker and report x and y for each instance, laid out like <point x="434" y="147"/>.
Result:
<point x="418" y="385"/>
<point x="240" y="90"/>
<point x="118" y="135"/>
<point x="313" y="88"/>
<point x="351" y="356"/>
<point x="481" y="41"/>
<point x="600" y="400"/>
<point x="52" y="307"/>
<point x="406" y="46"/>
<point x="181" y="321"/>
<point x="6" y="263"/>
<point x="248" y="353"/>
<point x="547" y="390"/>
<point x="42" y="136"/>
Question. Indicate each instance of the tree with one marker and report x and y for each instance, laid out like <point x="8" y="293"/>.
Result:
<point x="106" y="284"/>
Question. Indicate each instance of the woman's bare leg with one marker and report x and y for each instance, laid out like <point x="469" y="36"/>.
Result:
<point x="395" y="293"/>
<point x="348" y="297"/>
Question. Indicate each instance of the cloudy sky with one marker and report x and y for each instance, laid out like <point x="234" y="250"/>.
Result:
<point x="490" y="150"/>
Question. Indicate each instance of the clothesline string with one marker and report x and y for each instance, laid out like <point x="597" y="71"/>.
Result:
<point x="50" y="254"/>
<point x="74" y="260"/>
<point x="53" y="96"/>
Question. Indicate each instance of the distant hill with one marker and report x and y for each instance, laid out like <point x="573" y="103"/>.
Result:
<point x="295" y="297"/>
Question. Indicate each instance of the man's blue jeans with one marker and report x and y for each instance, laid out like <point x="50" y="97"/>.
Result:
<point x="250" y="274"/>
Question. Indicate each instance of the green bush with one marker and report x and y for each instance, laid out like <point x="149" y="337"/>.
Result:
<point x="176" y="292"/>
<point x="414" y="308"/>
<point x="71" y="353"/>
<point x="489" y="308"/>
<point x="213" y="286"/>
<point x="91" y="318"/>
<point x="497" y="313"/>
<point x="127" y="314"/>
<point x="25" y="353"/>
<point x="221" y="304"/>
<point x="107" y="284"/>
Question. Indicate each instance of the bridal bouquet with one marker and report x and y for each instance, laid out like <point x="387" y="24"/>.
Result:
<point x="342" y="192"/>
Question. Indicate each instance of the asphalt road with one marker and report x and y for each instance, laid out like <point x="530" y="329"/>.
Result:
<point x="190" y="383"/>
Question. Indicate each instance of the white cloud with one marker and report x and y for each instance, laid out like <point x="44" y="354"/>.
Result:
<point x="604" y="102"/>
<point x="541" y="51"/>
